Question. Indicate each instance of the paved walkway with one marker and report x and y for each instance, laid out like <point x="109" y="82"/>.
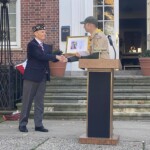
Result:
<point x="64" y="135"/>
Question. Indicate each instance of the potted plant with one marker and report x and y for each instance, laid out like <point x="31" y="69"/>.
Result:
<point x="144" y="60"/>
<point x="57" y="68"/>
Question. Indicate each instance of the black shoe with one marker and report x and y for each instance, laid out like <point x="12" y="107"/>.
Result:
<point x="23" y="129"/>
<point x="41" y="129"/>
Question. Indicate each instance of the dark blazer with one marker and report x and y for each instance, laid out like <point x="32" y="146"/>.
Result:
<point x="38" y="61"/>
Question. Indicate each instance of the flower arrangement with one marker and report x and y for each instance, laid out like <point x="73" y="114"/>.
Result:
<point x="57" y="52"/>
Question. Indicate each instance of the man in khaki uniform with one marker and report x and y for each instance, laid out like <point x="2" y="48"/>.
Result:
<point x="98" y="42"/>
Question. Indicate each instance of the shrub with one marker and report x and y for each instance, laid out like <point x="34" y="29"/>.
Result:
<point x="145" y="53"/>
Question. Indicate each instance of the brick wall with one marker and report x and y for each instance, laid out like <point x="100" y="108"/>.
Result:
<point x="38" y="11"/>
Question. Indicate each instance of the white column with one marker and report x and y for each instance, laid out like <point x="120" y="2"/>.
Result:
<point x="148" y="24"/>
<point x="80" y="10"/>
<point x="116" y="29"/>
<point x="64" y="19"/>
<point x="76" y="27"/>
<point x="72" y="12"/>
<point x="76" y="18"/>
<point x="88" y="8"/>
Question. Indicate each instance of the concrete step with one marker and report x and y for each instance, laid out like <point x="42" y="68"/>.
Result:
<point x="82" y="83"/>
<point x="70" y="97"/>
<point x="65" y="98"/>
<point x="131" y="116"/>
<point x="125" y="77"/>
<point x="83" y="94"/>
<point x="132" y="84"/>
<point x="132" y="94"/>
<point x="65" y="91"/>
<point x="123" y="101"/>
<point x="52" y="107"/>
<point x="80" y="98"/>
<point x="132" y="90"/>
<point x="82" y="115"/>
<point x="132" y="108"/>
<point x="65" y="101"/>
<point x="62" y="115"/>
<point x="132" y="97"/>
<point x="131" y="87"/>
<point x="82" y="107"/>
<point x="131" y="102"/>
<point x="83" y="80"/>
<point x="49" y="88"/>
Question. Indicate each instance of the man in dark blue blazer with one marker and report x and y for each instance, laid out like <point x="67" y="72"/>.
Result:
<point x="36" y="73"/>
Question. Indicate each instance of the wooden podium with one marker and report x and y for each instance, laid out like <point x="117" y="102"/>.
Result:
<point x="99" y="101"/>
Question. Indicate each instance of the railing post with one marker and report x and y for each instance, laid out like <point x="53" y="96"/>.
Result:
<point x="7" y="71"/>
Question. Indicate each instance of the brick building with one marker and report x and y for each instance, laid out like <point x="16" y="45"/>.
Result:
<point x="28" y="13"/>
<point x="128" y="25"/>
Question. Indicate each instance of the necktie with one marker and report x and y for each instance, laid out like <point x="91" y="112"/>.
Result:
<point x="41" y="44"/>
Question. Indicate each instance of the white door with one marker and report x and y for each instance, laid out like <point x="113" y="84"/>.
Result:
<point x="148" y="24"/>
<point x="116" y="27"/>
<point x="107" y="13"/>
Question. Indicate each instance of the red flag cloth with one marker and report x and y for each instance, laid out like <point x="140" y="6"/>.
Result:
<point x="21" y="67"/>
<point x="14" y="116"/>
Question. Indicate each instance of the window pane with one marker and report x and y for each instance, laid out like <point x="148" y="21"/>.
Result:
<point x="100" y="25"/>
<point x="98" y="2"/>
<point x="12" y="7"/>
<point x="109" y="13"/>
<point x="13" y="34"/>
<point x="109" y="2"/>
<point x="98" y="13"/>
<point x="12" y="20"/>
<point x="109" y="27"/>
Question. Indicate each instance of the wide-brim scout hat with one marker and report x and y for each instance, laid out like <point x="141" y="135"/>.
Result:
<point x="38" y="27"/>
<point x="91" y="20"/>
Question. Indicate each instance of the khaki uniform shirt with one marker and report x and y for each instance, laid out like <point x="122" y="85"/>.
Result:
<point x="99" y="43"/>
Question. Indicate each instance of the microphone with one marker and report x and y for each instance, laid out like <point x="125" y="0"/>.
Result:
<point x="110" y="40"/>
<point x="111" y="44"/>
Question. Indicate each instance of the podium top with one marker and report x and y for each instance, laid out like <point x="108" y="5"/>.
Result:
<point x="100" y="63"/>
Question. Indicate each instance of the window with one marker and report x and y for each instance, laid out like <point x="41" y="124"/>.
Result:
<point x="14" y="23"/>
<point x="104" y="12"/>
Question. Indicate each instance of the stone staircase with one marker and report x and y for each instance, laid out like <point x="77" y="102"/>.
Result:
<point x="65" y="98"/>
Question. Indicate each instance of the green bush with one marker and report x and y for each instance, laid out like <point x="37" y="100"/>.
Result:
<point x="146" y="53"/>
<point x="57" y="52"/>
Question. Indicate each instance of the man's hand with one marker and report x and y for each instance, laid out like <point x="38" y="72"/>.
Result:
<point x="78" y="55"/>
<point x="65" y="60"/>
<point x="61" y="58"/>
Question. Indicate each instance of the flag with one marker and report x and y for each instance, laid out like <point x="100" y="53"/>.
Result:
<point x="21" y="67"/>
<point x="13" y="116"/>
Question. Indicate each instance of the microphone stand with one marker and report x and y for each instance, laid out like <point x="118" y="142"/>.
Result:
<point x="111" y="43"/>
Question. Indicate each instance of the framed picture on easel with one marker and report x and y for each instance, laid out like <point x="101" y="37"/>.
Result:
<point x="77" y="44"/>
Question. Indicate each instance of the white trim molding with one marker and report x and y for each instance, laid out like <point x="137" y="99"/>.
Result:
<point x="148" y="24"/>
<point x="17" y="45"/>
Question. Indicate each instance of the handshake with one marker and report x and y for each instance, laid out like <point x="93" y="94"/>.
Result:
<point x="62" y="58"/>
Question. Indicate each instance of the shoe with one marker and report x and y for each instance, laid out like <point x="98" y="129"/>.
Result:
<point x="41" y="129"/>
<point x="23" y="129"/>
